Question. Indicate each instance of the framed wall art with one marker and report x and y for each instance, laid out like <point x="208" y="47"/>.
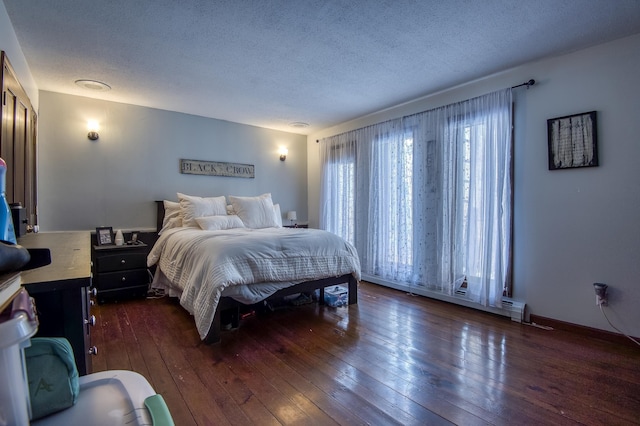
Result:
<point x="573" y="141"/>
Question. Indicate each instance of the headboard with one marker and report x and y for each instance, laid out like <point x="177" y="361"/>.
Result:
<point x="159" y="214"/>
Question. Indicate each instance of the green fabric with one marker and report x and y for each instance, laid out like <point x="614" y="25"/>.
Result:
<point x="52" y="375"/>
<point x="160" y="415"/>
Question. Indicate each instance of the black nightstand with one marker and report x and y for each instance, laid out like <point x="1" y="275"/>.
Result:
<point x="120" y="272"/>
<point x="296" y="226"/>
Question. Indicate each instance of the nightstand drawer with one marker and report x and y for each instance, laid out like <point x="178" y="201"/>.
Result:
<point x="112" y="280"/>
<point x="139" y="291"/>
<point x="121" y="262"/>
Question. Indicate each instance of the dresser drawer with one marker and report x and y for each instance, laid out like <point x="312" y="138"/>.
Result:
<point x="121" y="262"/>
<point x="122" y="279"/>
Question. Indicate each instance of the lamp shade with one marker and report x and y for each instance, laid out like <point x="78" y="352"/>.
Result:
<point x="291" y="215"/>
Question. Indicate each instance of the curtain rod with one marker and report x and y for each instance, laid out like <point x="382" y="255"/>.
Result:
<point x="526" y="83"/>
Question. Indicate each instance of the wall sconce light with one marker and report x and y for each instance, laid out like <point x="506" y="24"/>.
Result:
<point x="292" y="216"/>
<point x="93" y="127"/>
<point x="283" y="153"/>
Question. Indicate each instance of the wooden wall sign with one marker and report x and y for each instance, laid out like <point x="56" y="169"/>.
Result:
<point x="216" y="168"/>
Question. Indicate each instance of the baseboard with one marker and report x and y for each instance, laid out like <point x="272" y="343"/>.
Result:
<point x="582" y="330"/>
<point x="510" y="308"/>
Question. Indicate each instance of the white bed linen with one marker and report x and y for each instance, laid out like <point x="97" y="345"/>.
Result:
<point x="199" y="265"/>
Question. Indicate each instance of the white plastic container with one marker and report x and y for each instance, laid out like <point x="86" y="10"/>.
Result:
<point x="109" y="398"/>
<point x="18" y="324"/>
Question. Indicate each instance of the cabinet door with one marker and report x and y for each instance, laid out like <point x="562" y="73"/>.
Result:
<point x="65" y="313"/>
<point x="7" y="135"/>
<point x="17" y="142"/>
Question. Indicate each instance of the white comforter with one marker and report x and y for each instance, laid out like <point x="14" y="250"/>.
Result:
<point x="200" y="265"/>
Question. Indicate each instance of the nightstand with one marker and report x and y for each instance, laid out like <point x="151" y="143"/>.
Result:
<point x="296" y="226"/>
<point x="120" y="272"/>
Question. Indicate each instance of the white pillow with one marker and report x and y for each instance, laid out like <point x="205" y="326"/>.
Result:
<point x="255" y="212"/>
<point x="192" y="207"/>
<point x="218" y="223"/>
<point x="276" y="211"/>
<point x="172" y="217"/>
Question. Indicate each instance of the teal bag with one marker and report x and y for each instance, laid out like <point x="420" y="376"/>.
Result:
<point x="52" y="375"/>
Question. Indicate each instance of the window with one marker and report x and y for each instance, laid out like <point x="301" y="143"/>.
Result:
<point x="427" y="199"/>
<point x="342" y="176"/>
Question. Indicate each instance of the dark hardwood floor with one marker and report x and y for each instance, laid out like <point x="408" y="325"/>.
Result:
<point x="391" y="359"/>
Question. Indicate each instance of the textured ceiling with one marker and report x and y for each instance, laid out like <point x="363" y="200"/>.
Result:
<point x="270" y="63"/>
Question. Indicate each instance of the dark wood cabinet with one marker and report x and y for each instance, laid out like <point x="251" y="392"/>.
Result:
<point x="120" y="272"/>
<point x="61" y="291"/>
<point x="18" y="142"/>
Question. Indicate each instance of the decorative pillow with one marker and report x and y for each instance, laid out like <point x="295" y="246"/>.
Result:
<point x="192" y="207"/>
<point x="276" y="211"/>
<point x="218" y="223"/>
<point x="172" y="217"/>
<point x="255" y="212"/>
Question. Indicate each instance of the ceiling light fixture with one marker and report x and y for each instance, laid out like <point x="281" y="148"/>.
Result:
<point x="95" y="85"/>
<point x="299" y="124"/>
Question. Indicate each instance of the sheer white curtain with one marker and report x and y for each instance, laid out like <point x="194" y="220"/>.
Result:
<point x="426" y="199"/>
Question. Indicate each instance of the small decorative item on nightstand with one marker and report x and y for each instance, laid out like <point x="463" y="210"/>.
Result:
<point x="119" y="238"/>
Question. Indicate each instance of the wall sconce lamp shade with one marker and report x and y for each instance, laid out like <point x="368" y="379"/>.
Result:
<point x="292" y="216"/>
<point x="93" y="127"/>
<point x="283" y="153"/>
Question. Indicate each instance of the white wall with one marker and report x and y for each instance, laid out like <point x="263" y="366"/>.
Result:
<point x="114" y="181"/>
<point x="573" y="227"/>
<point x="9" y="43"/>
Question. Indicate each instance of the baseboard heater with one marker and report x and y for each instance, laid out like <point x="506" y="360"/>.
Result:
<point x="510" y="308"/>
<point x="515" y="308"/>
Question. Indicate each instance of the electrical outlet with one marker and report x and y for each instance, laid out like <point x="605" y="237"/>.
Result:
<point x="601" y="301"/>
<point x="601" y="294"/>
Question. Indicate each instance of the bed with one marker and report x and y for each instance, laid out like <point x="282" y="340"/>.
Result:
<point x="215" y="270"/>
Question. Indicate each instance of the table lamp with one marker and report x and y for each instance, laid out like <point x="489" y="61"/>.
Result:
<point x="292" y="216"/>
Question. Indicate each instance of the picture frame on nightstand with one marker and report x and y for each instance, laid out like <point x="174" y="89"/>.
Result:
<point x="104" y="235"/>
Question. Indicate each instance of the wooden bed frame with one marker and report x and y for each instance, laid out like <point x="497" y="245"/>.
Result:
<point x="232" y="307"/>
